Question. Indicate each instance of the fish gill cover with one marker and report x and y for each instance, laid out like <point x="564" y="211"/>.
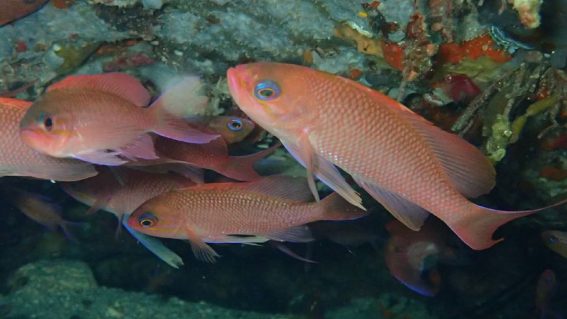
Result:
<point x="136" y="93"/>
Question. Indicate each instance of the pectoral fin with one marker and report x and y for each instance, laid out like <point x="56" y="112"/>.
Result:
<point x="102" y="158"/>
<point x="202" y="251"/>
<point x="325" y="171"/>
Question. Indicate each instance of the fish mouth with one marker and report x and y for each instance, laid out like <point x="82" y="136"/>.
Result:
<point x="233" y="80"/>
<point x="35" y="139"/>
<point x="30" y="136"/>
<point x="238" y="78"/>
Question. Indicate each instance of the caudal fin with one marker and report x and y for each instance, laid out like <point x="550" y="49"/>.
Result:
<point x="182" y="100"/>
<point x="334" y="207"/>
<point x="478" y="225"/>
<point x="242" y="167"/>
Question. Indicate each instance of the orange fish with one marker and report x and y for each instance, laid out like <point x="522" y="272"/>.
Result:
<point x="232" y="128"/>
<point x="103" y="119"/>
<point x="41" y="210"/>
<point x="121" y="190"/>
<point x="274" y="207"/>
<point x="412" y="257"/>
<point x="213" y="156"/>
<point x="11" y="10"/>
<point x="406" y="163"/>
<point x="18" y="159"/>
<point x="556" y="240"/>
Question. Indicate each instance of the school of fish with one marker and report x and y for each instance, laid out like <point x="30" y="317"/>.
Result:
<point x="153" y="162"/>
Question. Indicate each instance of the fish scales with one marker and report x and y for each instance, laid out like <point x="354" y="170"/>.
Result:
<point x="229" y="211"/>
<point x="383" y="147"/>
<point x="124" y="189"/>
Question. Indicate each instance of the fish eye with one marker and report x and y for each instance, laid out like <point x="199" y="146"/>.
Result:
<point x="147" y="220"/>
<point x="48" y="123"/>
<point x="267" y="90"/>
<point x="235" y="125"/>
<point x="46" y="120"/>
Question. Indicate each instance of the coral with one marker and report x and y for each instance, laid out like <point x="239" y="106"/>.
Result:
<point x="528" y="10"/>
<point x="500" y="136"/>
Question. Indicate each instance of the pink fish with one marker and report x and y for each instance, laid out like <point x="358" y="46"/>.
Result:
<point x="274" y="207"/>
<point x="103" y="119"/>
<point x="406" y="163"/>
<point x="18" y="159"/>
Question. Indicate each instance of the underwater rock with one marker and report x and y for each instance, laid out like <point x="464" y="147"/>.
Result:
<point x="50" y="42"/>
<point x="67" y="289"/>
<point x="385" y="307"/>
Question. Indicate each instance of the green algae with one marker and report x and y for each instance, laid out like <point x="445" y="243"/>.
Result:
<point x="73" y="55"/>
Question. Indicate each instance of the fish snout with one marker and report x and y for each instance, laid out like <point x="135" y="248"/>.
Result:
<point x="39" y="141"/>
<point x="236" y="77"/>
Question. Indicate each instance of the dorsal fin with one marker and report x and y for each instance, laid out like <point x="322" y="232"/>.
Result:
<point x="293" y="188"/>
<point x="14" y="102"/>
<point x="120" y="84"/>
<point x="468" y="169"/>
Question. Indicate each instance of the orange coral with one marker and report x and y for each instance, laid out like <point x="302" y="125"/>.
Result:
<point x="472" y="49"/>
<point x="393" y="54"/>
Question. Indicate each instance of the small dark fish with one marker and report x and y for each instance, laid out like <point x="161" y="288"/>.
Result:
<point x="233" y="129"/>
<point x="556" y="240"/>
<point x="41" y="210"/>
<point x="545" y="289"/>
<point x="412" y="257"/>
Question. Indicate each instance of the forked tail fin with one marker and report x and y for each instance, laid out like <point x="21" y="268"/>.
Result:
<point x="242" y="167"/>
<point x="477" y="227"/>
